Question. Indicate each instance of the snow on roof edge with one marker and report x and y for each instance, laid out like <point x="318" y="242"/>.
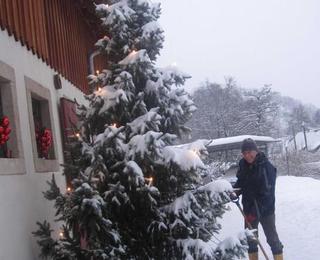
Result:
<point x="240" y="138"/>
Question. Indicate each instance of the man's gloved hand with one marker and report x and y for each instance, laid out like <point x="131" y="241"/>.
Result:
<point x="233" y="196"/>
<point x="250" y="218"/>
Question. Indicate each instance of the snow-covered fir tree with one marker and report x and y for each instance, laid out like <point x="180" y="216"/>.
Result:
<point x="134" y="194"/>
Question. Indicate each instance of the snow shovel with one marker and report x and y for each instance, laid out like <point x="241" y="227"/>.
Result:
<point x="236" y="201"/>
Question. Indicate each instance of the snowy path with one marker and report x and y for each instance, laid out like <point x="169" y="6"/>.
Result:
<point x="297" y="215"/>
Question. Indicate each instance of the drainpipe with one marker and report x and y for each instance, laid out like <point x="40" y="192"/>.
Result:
<point x="91" y="63"/>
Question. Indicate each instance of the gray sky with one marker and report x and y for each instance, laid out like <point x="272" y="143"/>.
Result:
<point x="257" y="41"/>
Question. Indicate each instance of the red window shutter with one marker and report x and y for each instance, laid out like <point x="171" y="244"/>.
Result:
<point x="69" y="125"/>
<point x="69" y="119"/>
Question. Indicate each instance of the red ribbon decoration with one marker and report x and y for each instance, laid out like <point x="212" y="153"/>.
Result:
<point x="5" y="130"/>
<point x="44" y="142"/>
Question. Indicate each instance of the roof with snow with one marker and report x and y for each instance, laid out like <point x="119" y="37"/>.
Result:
<point x="312" y="138"/>
<point x="234" y="142"/>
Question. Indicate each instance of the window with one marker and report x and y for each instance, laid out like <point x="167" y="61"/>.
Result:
<point x="41" y="127"/>
<point x="8" y="147"/>
<point x="4" y="134"/>
<point x="11" y="155"/>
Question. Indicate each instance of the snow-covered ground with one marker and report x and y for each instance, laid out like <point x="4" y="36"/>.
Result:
<point x="297" y="216"/>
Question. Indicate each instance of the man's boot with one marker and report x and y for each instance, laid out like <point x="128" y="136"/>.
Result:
<point x="254" y="256"/>
<point x="278" y="257"/>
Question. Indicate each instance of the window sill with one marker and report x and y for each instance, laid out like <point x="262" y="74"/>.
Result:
<point x="12" y="166"/>
<point x="45" y="165"/>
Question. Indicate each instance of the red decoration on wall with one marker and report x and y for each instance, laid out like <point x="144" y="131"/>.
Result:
<point x="5" y="130"/>
<point x="44" y="142"/>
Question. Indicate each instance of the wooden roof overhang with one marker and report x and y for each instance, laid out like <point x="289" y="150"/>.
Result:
<point x="62" y="33"/>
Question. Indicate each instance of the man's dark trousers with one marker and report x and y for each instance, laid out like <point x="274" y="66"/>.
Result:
<point x="269" y="228"/>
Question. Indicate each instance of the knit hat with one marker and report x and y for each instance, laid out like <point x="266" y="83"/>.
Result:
<point x="249" y="144"/>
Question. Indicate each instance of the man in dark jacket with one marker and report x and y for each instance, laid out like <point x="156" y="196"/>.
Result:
<point x="256" y="182"/>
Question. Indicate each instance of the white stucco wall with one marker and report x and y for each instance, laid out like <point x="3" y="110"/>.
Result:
<point x="21" y="198"/>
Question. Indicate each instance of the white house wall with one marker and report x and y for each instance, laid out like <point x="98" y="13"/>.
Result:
<point x="21" y="199"/>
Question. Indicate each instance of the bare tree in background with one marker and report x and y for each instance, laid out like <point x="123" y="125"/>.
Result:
<point x="228" y="110"/>
<point x="298" y="117"/>
<point x="261" y="109"/>
<point x="218" y="111"/>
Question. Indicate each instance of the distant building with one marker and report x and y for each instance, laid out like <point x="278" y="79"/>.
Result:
<point x="234" y="143"/>
<point x="228" y="150"/>
<point x="310" y="141"/>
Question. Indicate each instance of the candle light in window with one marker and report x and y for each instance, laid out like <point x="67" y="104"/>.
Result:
<point x="61" y="234"/>
<point x="68" y="189"/>
<point x="99" y="89"/>
<point x="97" y="72"/>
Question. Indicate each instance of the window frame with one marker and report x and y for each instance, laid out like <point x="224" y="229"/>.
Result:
<point x="37" y="91"/>
<point x="15" y="165"/>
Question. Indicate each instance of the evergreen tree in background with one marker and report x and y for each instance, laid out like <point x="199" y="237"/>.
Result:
<point x="134" y="195"/>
